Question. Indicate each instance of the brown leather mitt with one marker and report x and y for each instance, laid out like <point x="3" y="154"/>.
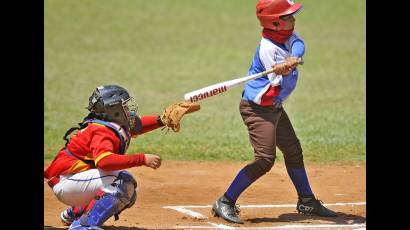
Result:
<point x="173" y="114"/>
<point x="286" y="67"/>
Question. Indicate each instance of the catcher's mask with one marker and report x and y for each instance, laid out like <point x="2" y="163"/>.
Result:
<point x="269" y="12"/>
<point x="113" y="103"/>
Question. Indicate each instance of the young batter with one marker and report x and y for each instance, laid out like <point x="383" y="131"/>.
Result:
<point x="262" y="111"/>
<point x="88" y="172"/>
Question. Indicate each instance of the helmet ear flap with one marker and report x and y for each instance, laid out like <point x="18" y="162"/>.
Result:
<point x="276" y="25"/>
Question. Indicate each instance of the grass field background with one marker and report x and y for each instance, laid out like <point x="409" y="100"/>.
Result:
<point x="161" y="49"/>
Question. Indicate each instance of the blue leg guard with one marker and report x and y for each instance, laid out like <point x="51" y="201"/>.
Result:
<point x="76" y="225"/>
<point x="112" y="201"/>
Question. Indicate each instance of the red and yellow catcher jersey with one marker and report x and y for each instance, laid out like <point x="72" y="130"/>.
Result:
<point x="90" y="144"/>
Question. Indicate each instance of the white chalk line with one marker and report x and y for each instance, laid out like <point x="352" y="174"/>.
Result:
<point x="293" y="226"/>
<point x="185" y="210"/>
<point x="188" y="212"/>
<point x="264" y="205"/>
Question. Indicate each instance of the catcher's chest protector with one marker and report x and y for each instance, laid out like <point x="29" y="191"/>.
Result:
<point x="124" y="136"/>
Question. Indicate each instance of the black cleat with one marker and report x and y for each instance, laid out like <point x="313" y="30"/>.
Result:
<point x="314" y="207"/>
<point x="227" y="210"/>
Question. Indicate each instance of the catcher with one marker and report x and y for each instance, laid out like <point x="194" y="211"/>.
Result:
<point x="88" y="172"/>
<point x="262" y="111"/>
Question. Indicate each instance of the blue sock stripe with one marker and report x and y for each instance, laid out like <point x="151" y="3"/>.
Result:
<point x="239" y="184"/>
<point x="300" y="181"/>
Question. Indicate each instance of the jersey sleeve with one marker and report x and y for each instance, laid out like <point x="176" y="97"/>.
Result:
<point x="288" y="83"/>
<point x="149" y="123"/>
<point x="296" y="45"/>
<point x="118" y="162"/>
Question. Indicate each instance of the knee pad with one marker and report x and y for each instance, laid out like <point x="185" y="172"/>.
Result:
<point x="126" y="185"/>
<point x="111" y="200"/>
<point x="259" y="168"/>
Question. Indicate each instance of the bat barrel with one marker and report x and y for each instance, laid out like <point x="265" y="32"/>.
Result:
<point x="222" y="87"/>
<point x="205" y="92"/>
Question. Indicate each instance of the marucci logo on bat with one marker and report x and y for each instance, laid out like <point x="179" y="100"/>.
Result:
<point x="209" y="93"/>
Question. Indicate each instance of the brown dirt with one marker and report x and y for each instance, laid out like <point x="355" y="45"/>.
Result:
<point x="200" y="183"/>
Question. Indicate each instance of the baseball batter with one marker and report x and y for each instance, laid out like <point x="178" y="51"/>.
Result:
<point x="88" y="173"/>
<point x="262" y="111"/>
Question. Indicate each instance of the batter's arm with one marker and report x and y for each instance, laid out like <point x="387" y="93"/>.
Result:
<point x="296" y="45"/>
<point x="288" y="82"/>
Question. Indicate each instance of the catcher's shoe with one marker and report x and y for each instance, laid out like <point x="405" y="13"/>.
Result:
<point x="67" y="216"/>
<point x="227" y="210"/>
<point x="314" y="207"/>
<point x="76" y="225"/>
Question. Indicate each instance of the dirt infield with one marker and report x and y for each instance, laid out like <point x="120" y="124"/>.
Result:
<point x="198" y="184"/>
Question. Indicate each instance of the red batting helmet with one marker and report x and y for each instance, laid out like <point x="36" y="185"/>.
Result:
<point x="269" y="12"/>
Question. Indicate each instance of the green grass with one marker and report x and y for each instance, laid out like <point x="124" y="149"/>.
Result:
<point x="161" y="49"/>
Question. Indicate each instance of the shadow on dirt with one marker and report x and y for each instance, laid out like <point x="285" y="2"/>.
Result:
<point x="123" y="228"/>
<point x="46" y="227"/>
<point x="292" y="217"/>
<point x="105" y="228"/>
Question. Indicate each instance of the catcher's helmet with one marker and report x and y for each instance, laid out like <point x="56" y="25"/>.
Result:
<point x="113" y="103"/>
<point x="270" y="11"/>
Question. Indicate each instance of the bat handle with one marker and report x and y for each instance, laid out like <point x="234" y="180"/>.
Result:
<point x="266" y="72"/>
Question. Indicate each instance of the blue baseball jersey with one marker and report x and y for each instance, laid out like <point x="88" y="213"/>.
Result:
<point x="273" y="88"/>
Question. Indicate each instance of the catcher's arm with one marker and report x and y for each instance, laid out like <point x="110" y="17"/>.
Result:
<point x="148" y="123"/>
<point x="171" y="117"/>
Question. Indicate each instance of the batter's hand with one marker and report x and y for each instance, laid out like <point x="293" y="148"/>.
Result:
<point x="152" y="161"/>
<point x="286" y="66"/>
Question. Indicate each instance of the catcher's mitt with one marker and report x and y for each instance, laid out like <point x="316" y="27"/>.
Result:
<point x="173" y="114"/>
<point x="287" y="65"/>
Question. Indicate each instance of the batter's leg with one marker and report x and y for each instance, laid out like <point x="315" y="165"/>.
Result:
<point x="261" y="128"/>
<point x="290" y="146"/>
<point x="261" y="123"/>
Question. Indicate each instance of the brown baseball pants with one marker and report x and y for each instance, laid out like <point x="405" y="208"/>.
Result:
<point x="269" y="127"/>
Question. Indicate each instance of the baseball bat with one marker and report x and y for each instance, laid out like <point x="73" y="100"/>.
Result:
<point x="222" y="87"/>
